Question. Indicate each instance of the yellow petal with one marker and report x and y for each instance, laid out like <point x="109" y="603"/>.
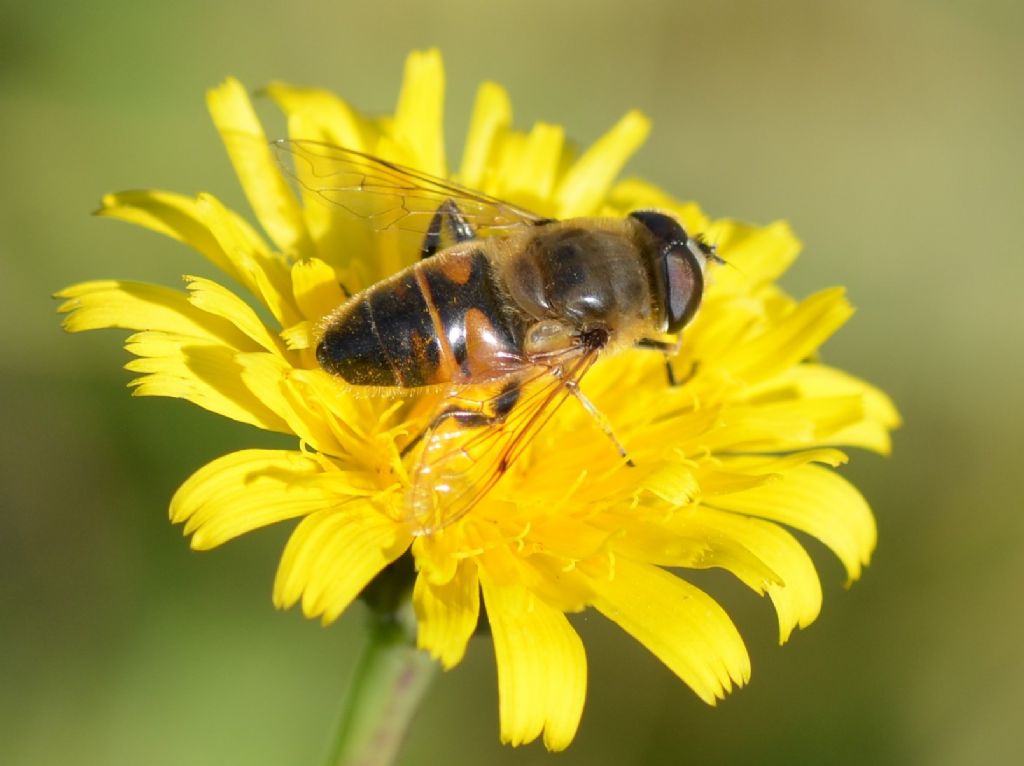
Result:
<point x="786" y="425"/>
<point x="353" y="418"/>
<point x="530" y="177"/>
<point x="796" y="589"/>
<point x="866" y="434"/>
<point x="880" y="415"/>
<point x="723" y="324"/>
<point x="298" y="337"/>
<point x="687" y="539"/>
<point x="266" y="275"/>
<point x="632" y="194"/>
<point x="727" y="474"/>
<point x="258" y="171"/>
<point x="436" y="554"/>
<point x="566" y="538"/>
<point x="492" y="114"/>
<point x="672" y="481"/>
<point x="172" y="215"/>
<point x="245" y="490"/>
<point x="268" y="378"/>
<point x="762" y="555"/>
<point x="587" y="182"/>
<point x="332" y="555"/>
<point x="205" y="374"/>
<point x="819" y="502"/>
<point x="819" y="379"/>
<point x="679" y="623"/>
<point x="555" y="580"/>
<point x="790" y="339"/>
<point x="214" y="299"/>
<point x="542" y="668"/>
<point x="508" y="148"/>
<point x="446" y="615"/>
<point x="319" y="115"/>
<point x="316" y="289"/>
<point x="221" y="235"/>
<point x="138" y="306"/>
<point x="418" y="130"/>
<point x="754" y="254"/>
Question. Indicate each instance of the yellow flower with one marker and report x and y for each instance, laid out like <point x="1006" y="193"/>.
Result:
<point x="724" y="462"/>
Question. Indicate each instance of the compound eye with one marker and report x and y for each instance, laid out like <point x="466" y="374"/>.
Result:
<point x="665" y="228"/>
<point x="684" y="280"/>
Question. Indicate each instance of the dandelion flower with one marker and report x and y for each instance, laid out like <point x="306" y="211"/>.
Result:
<point x="725" y="464"/>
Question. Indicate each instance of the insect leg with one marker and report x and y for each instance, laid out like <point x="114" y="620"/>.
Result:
<point x="669" y="349"/>
<point x="602" y="421"/>
<point x="458" y="228"/>
<point x="470" y="417"/>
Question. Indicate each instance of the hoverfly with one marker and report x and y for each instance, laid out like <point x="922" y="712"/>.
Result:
<point x="504" y="313"/>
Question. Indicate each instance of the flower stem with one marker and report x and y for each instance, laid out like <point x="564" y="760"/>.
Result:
<point x="390" y="680"/>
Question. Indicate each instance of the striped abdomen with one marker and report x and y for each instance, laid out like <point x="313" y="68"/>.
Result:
<point x="439" y="321"/>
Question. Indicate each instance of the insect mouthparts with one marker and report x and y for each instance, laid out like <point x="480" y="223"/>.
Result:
<point x="594" y="338"/>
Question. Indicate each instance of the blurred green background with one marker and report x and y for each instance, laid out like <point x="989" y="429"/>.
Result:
<point x="888" y="133"/>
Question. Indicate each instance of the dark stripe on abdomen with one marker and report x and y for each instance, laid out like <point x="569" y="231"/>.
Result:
<point x="386" y="340"/>
<point x="463" y="284"/>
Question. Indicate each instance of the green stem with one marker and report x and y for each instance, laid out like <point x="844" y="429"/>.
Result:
<point x="389" y="682"/>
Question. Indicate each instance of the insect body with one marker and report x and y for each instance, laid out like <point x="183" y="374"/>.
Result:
<point x="483" y="309"/>
<point x="505" y="323"/>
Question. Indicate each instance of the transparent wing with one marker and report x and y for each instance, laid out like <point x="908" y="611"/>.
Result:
<point x="386" y="195"/>
<point x="467" y="449"/>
